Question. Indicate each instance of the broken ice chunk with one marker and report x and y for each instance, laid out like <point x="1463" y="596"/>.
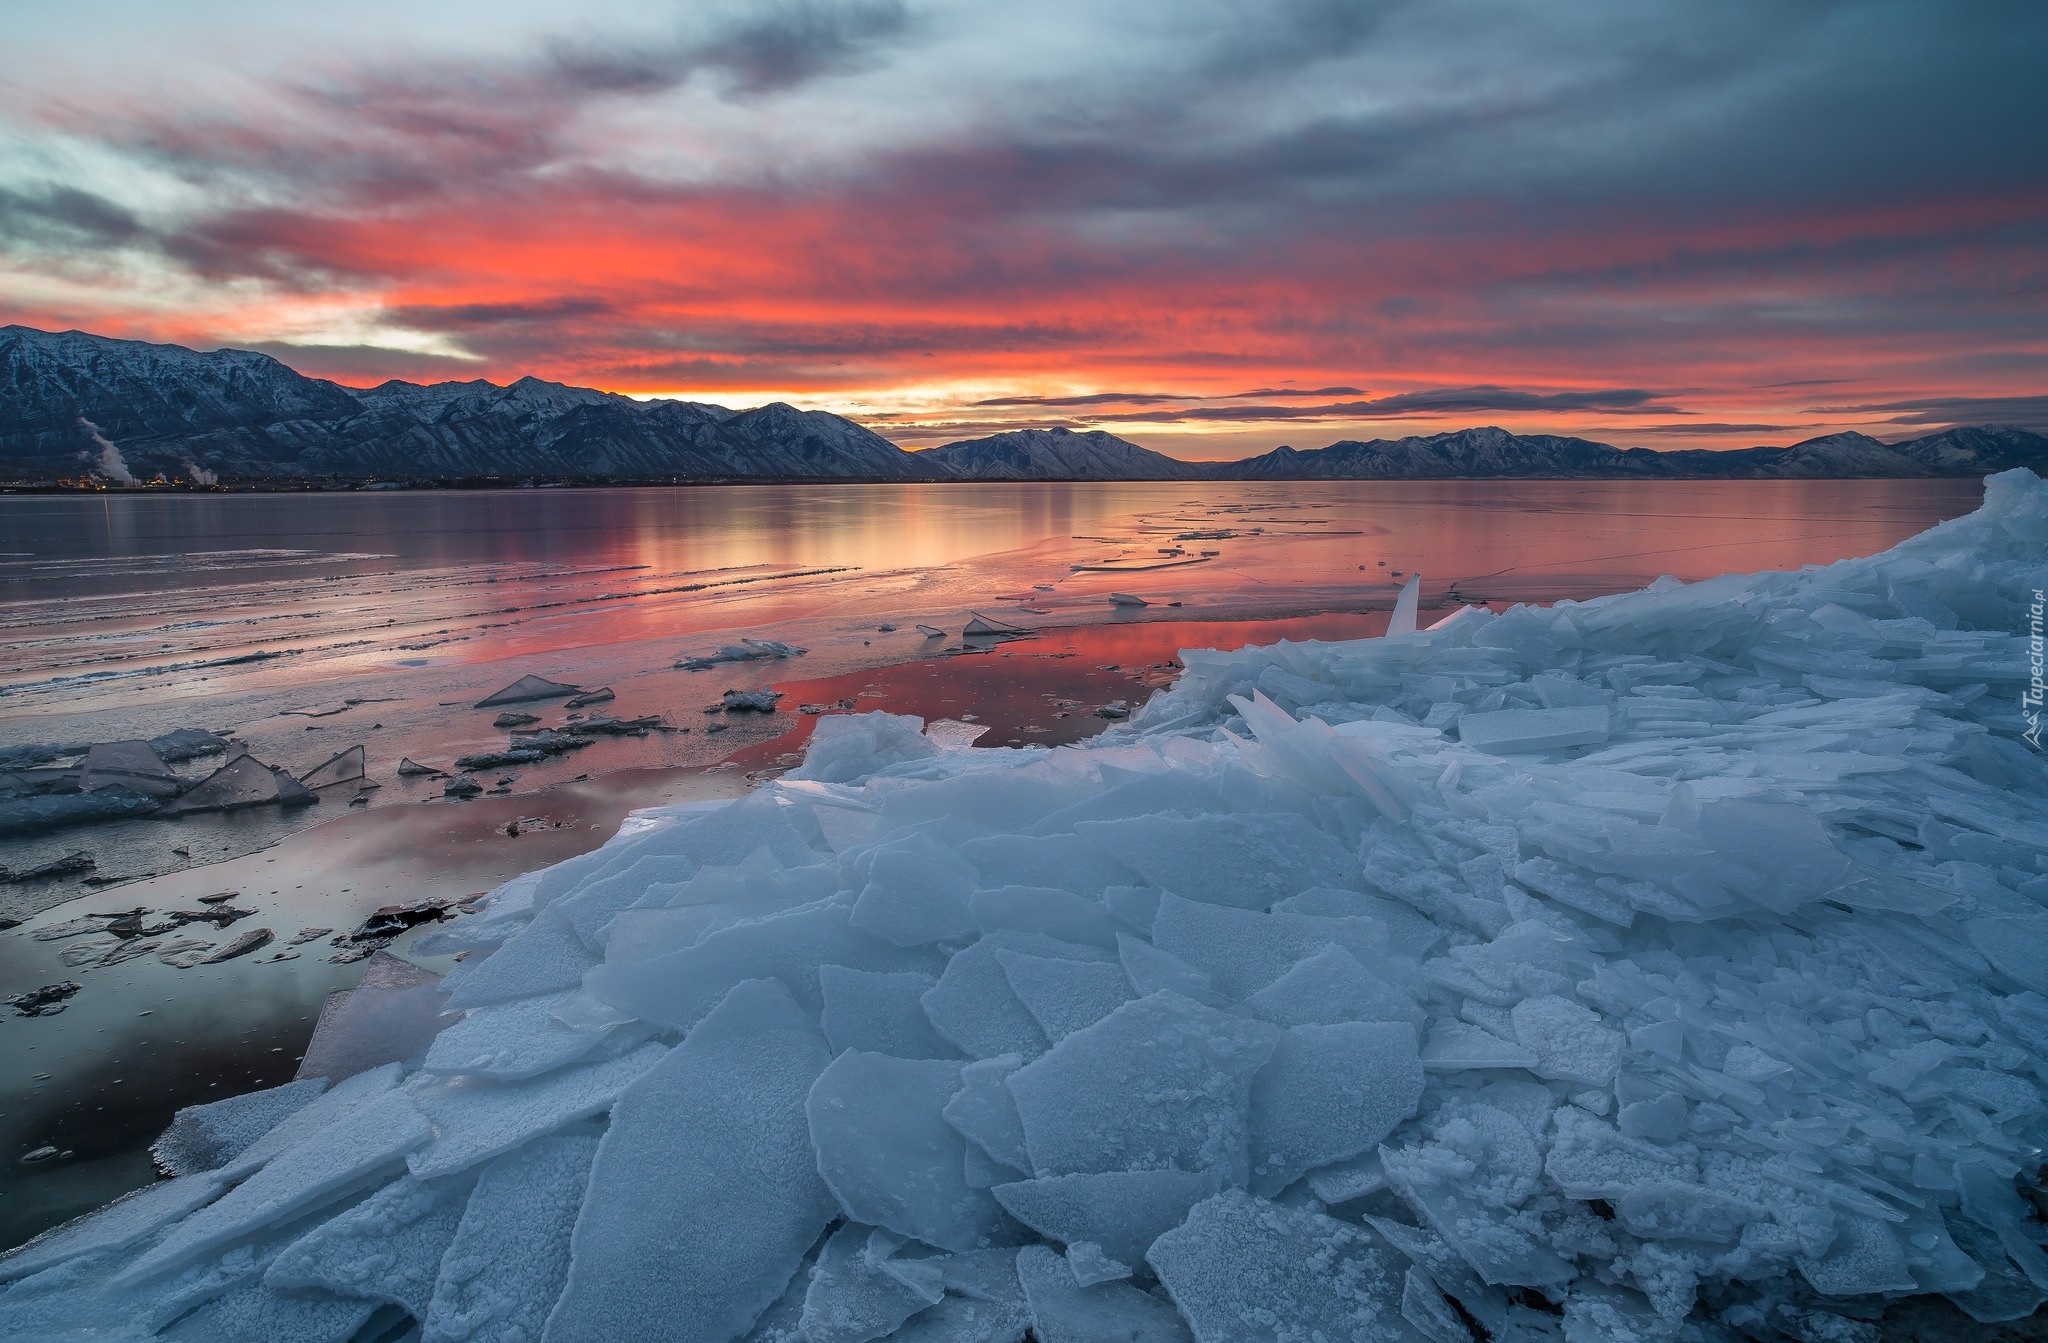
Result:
<point x="963" y="1319"/>
<point x="1162" y="1083"/>
<point x="915" y="896"/>
<point x="243" y="782"/>
<point x="1512" y="731"/>
<point x="206" y="1137"/>
<point x="851" y="1299"/>
<point x="132" y="765"/>
<point x="512" y="1041"/>
<point x="1244" y="950"/>
<point x="321" y="1112"/>
<point x="1062" y="995"/>
<point x="986" y="1113"/>
<point x="341" y="767"/>
<point x="389" y="1017"/>
<point x="890" y="1158"/>
<point x="2017" y="946"/>
<point x="846" y="748"/>
<point x="1661" y="1119"/>
<point x="1090" y="1265"/>
<point x="1590" y="1158"/>
<point x="1330" y="986"/>
<point x="678" y="988"/>
<point x="1570" y="1042"/>
<point x="974" y="1006"/>
<point x="1475" y="1164"/>
<point x="705" y="1194"/>
<point x="1669" y="1210"/>
<point x="1122" y="1211"/>
<point x="543" y="958"/>
<point x="527" y="689"/>
<point x="1864" y="1260"/>
<point x="878" y="1012"/>
<point x="1327" y="1093"/>
<point x="118" y="1225"/>
<point x="256" y="1312"/>
<point x="1063" y="1311"/>
<point x="475" y="1120"/>
<point x="1423" y="1305"/>
<point x="1777" y="855"/>
<point x="386" y="1248"/>
<point x="510" y="1254"/>
<point x="1246" y="861"/>
<point x="1047" y="912"/>
<point x="1150" y="969"/>
<point x="1241" y="1268"/>
<point x="367" y="1142"/>
<point x="1068" y="862"/>
<point x="1403" y="619"/>
<point x="1353" y="1178"/>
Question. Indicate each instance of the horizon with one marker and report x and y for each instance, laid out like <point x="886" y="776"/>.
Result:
<point x="929" y="446"/>
<point x="1695" y="230"/>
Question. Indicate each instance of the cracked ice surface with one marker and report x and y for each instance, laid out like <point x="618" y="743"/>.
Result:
<point x="1648" y="968"/>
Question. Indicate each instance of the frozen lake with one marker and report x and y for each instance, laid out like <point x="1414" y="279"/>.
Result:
<point x="128" y="615"/>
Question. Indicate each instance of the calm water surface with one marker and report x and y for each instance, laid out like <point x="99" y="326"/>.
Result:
<point x="309" y="623"/>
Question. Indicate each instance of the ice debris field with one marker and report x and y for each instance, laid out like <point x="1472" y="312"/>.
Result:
<point x="1666" y="966"/>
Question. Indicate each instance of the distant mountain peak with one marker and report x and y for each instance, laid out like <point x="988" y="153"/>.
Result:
<point x="245" y="415"/>
<point x="1059" y="454"/>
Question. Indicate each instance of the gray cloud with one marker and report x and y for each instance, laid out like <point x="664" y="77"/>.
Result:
<point x="1694" y="428"/>
<point x="780" y="46"/>
<point x="1420" y="405"/>
<point x="1155" y="398"/>
<point x="2029" y="412"/>
<point x="63" y="214"/>
<point x="1293" y="391"/>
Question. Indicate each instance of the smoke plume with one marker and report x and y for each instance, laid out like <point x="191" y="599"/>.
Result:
<point x="198" y="474"/>
<point x="111" y="464"/>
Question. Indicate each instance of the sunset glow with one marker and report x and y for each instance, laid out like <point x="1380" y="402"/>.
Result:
<point x="1209" y="228"/>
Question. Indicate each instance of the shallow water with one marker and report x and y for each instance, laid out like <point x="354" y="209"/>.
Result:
<point x="126" y="615"/>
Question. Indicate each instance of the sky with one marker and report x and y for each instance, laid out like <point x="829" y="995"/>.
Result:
<point x="1207" y="226"/>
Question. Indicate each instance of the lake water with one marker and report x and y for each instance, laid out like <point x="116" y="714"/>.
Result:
<point x="126" y="615"/>
<point x="308" y="623"/>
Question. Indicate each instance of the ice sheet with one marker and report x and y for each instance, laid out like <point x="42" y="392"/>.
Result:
<point x="705" y="1193"/>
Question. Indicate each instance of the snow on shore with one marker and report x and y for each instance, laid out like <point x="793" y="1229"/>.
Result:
<point x="1667" y="966"/>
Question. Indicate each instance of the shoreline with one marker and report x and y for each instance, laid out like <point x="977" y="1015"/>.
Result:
<point x="244" y="1024"/>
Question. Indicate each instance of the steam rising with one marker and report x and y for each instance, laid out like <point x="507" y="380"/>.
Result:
<point x="198" y="474"/>
<point x="111" y="464"/>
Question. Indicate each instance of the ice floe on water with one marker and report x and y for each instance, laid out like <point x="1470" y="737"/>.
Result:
<point x="1667" y="966"/>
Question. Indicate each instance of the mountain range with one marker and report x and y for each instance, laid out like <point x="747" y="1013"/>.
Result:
<point x="73" y="404"/>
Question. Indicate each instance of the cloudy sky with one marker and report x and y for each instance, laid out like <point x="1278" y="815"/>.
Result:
<point x="1210" y="226"/>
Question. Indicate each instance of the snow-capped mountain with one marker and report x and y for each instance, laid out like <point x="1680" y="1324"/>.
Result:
<point x="135" y="392"/>
<point x="71" y="402"/>
<point x="1491" y="452"/>
<point x="245" y="415"/>
<point x="1464" y="454"/>
<point x="1059" y="454"/>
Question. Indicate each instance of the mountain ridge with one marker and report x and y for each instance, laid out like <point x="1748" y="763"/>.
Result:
<point x="73" y="403"/>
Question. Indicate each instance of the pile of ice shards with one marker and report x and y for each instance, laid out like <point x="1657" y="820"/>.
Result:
<point x="1668" y="966"/>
